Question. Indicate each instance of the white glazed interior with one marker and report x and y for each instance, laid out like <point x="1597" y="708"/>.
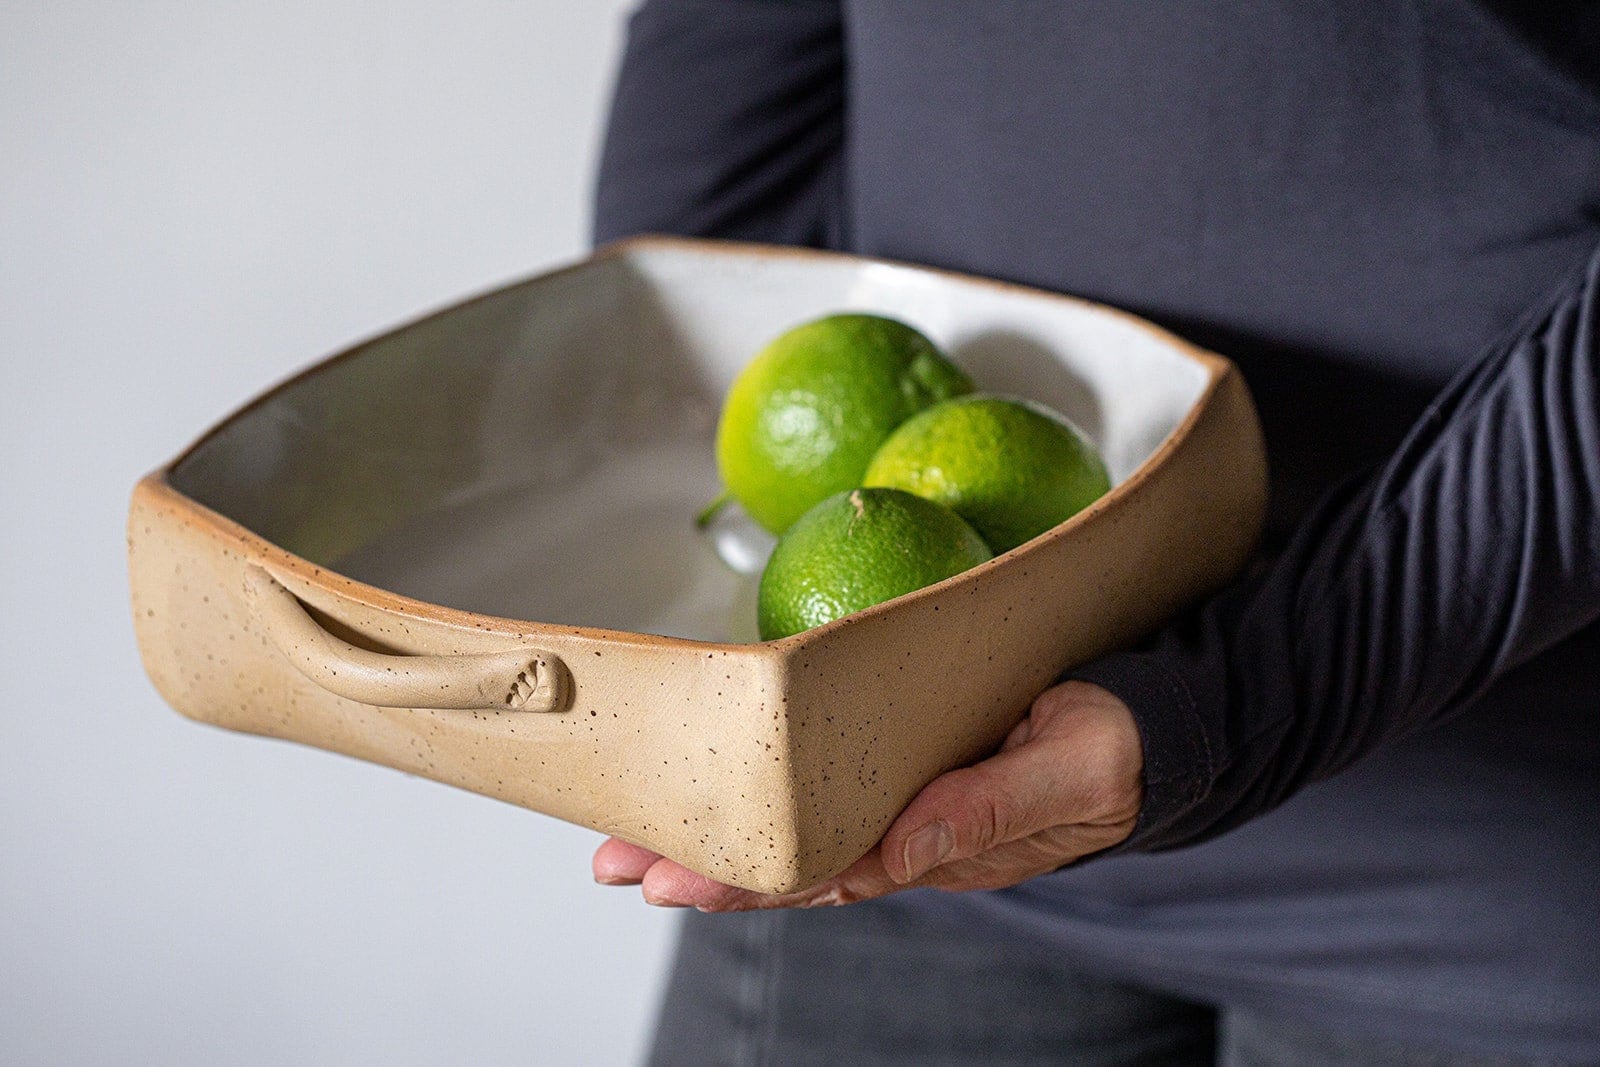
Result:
<point x="539" y="453"/>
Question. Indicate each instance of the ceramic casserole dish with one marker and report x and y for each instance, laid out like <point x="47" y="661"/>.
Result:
<point x="465" y="549"/>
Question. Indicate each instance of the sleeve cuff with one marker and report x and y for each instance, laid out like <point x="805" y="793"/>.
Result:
<point x="1180" y="762"/>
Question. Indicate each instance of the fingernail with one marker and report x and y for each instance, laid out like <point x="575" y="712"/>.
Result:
<point x="834" y="897"/>
<point x="662" y="902"/>
<point x="927" y="848"/>
<point x="615" y="879"/>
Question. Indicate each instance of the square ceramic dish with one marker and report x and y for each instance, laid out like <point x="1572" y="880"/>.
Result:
<point x="349" y="560"/>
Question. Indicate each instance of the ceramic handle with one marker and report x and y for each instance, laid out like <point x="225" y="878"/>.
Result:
<point x="525" y="679"/>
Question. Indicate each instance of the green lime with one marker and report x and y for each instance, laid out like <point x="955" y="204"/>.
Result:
<point x="802" y="420"/>
<point x="1011" y="468"/>
<point x="856" y="549"/>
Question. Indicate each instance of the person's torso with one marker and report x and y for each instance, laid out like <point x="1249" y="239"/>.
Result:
<point x="1350" y="200"/>
<point x="1347" y="199"/>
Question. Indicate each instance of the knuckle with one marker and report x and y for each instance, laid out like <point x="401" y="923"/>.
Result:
<point x="989" y="811"/>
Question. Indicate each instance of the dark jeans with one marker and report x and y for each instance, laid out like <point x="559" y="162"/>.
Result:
<point x="890" y="983"/>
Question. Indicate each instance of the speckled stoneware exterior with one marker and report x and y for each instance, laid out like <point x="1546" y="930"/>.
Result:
<point x="344" y="561"/>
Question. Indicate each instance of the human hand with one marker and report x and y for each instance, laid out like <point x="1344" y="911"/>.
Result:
<point x="1066" y="782"/>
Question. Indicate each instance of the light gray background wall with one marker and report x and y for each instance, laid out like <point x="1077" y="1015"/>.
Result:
<point x="197" y="198"/>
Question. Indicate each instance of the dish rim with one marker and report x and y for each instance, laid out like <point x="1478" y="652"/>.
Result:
<point x="158" y="483"/>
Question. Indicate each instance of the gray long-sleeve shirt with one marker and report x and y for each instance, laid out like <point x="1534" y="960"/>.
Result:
<point x="1372" y="764"/>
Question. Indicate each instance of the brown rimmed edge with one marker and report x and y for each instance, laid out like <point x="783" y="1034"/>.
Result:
<point x="159" y="488"/>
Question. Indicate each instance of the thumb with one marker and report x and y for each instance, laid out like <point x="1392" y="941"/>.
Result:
<point x="1011" y="795"/>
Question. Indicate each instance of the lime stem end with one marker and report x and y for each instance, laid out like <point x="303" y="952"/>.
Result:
<point x="709" y="512"/>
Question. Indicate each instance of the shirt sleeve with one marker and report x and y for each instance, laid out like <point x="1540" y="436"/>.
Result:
<point x="1403" y="596"/>
<point x="727" y="121"/>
